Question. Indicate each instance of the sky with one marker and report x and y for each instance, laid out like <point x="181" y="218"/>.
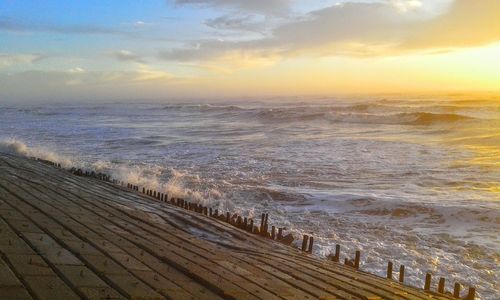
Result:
<point x="157" y="49"/>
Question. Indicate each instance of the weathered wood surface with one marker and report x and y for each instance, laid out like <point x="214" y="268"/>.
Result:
<point x="68" y="237"/>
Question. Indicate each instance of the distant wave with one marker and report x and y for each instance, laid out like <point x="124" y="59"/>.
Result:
<point x="355" y="114"/>
<point x="417" y="118"/>
<point x="362" y="113"/>
<point x="202" y="107"/>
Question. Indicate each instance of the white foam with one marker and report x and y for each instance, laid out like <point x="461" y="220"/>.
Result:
<point x="159" y="178"/>
<point x="16" y="147"/>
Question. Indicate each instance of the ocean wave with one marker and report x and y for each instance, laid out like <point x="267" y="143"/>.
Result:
<point x="202" y="107"/>
<point x="371" y="112"/>
<point x="173" y="182"/>
<point x="357" y="114"/>
<point x="18" y="148"/>
<point x="415" y="118"/>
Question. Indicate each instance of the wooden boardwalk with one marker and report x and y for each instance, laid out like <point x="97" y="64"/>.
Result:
<point x="69" y="237"/>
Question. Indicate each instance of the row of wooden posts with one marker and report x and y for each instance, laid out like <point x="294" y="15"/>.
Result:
<point x="307" y="241"/>
<point x="233" y="219"/>
<point x="276" y="234"/>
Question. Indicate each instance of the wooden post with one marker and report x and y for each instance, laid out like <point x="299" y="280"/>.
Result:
<point x="472" y="293"/>
<point x="238" y="222"/>
<point x="245" y="223"/>
<point x="266" y="224"/>
<point x="311" y="241"/>
<point x="251" y="225"/>
<point x="205" y="211"/>
<point x="441" y="285"/>
<point x="280" y="233"/>
<point x="210" y="211"/>
<point x="216" y="214"/>
<point x="402" y="273"/>
<point x="304" y="242"/>
<point x="273" y="232"/>
<point x="336" y="258"/>
<point x="456" y="290"/>
<point x="228" y="217"/>
<point x="389" y="270"/>
<point x="356" y="259"/>
<point x="428" y="278"/>
<point x="263" y="216"/>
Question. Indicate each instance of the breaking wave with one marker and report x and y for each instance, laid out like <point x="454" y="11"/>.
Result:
<point x="418" y="118"/>
<point x="163" y="179"/>
<point x="19" y="148"/>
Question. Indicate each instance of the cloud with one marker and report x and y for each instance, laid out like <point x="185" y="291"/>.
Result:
<point x="12" y="25"/>
<point x="143" y="73"/>
<point x="78" y="77"/>
<point x="466" y="24"/>
<point x="76" y="70"/>
<point x="78" y="85"/>
<point x="125" y="55"/>
<point x="8" y="60"/>
<point x="406" y="5"/>
<point x="246" y="22"/>
<point x="360" y="29"/>
<point x="278" y="7"/>
<point x="140" y="23"/>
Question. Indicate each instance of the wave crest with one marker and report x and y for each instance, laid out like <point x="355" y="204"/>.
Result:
<point x="417" y="118"/>
<point x="18" y="148"/>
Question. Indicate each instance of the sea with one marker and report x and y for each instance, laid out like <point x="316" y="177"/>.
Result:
<point x="412" y="180"/>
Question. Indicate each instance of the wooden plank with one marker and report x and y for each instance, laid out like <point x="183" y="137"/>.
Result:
<point x="145" y="234"/>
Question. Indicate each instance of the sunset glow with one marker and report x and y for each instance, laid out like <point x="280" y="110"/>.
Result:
<point x="232" y="48"/>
